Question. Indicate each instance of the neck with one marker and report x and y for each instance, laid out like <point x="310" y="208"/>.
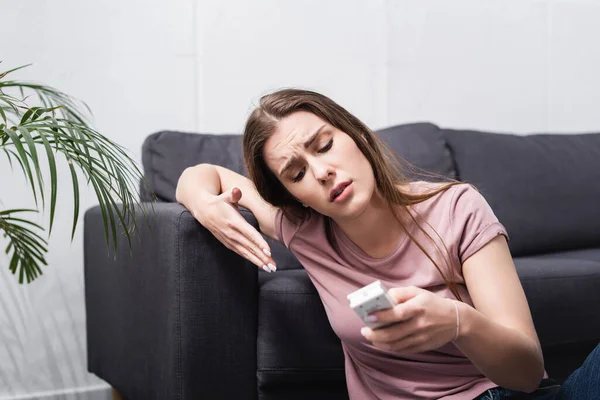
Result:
<point x="376" y="231"/>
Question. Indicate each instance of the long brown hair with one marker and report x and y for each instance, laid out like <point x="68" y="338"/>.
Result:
<point x="388" y="167"/>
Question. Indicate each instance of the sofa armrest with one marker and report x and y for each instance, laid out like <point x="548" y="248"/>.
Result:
<point x="175" y="318"/>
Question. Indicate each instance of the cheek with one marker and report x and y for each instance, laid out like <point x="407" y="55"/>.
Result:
<point x="294" y="192"/>
<point x="301" y="191"/>
<point x="361" y="164"/>
<point x="311" y="194"/>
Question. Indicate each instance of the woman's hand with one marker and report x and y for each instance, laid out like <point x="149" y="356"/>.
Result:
<point x="424" y="321"/>
<point x="221" y="217"/>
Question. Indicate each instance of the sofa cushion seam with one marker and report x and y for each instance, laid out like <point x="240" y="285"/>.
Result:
<point x="179" y="393"/>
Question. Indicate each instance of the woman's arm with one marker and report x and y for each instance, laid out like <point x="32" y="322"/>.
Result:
<point x="197" y="186"/>
<point x="212" y="194"/>
<point x="498" y="334"/>
<point x="200" y="184"/>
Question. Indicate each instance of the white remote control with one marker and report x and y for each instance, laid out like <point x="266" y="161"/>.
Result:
<point x="371" y="298"/>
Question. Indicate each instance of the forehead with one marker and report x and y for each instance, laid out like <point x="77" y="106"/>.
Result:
<point x="289" y="137"/>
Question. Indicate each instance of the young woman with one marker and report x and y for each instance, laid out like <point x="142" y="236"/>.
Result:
<point x="334" y="194"/>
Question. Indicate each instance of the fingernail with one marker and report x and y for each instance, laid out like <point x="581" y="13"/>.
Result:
<point x="371" y="318"/>
<point x="273" y="268"/>
<point x="363" y="331"/>
<point x="266" y="268"/>
<point x="267" y="252"/>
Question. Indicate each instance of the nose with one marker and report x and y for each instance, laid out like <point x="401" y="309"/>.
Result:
<point x="323" y="172"/>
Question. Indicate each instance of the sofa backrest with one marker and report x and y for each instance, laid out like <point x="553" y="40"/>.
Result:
<point x="166" y="154"/>
<point x="545" y="188"/>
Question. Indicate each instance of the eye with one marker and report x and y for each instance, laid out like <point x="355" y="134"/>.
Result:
<point x="327" y="147"/>
<point x="299" y="176"/>
<point x="322" y="150"/>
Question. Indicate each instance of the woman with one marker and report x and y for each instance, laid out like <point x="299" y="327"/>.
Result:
<point x="327" y="188"/>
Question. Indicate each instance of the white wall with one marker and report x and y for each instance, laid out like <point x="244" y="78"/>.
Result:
<point x="199" y="65"/>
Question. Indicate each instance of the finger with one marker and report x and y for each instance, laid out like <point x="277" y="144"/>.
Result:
<point x="250" y="256"/>
<point x="254" y="252"/>
<point x="399" y="313"/>
<point x="236" y="194"/>
<point x="405" y="293"/>
<point x="236" y="248"/>
<point x="247" y="236"/>
<point x="232" y="196"/>
<point x="391" y="333"/>
<point x="409" y="344"/>
<point x="261" y="245"/>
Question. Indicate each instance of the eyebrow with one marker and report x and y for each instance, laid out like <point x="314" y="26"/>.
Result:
<point x="306" y="145"/>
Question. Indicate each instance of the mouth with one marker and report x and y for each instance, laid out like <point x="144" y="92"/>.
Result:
<point x="335" y="192"/>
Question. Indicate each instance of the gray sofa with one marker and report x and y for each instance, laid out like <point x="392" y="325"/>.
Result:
<point x="183" y="317"/>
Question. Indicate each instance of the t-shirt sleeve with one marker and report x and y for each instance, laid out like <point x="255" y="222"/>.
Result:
<point x="284" y="228"/>
<point x="473" y="221"/>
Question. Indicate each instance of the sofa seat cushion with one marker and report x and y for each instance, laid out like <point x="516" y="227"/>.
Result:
<point x="296" y="344"/>
<point x="581" y="254"/>
<point x="297" y="350"/>
<point x="563" y="291"/>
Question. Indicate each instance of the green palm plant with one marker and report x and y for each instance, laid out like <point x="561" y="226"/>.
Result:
<point x="57" y="126"/>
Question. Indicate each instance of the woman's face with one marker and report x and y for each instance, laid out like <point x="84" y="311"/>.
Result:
<point x="310" y="170"/>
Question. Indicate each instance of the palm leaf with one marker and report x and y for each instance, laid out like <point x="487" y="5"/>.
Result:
<point x="23" y="157"/>
<point x="76" y="199"/>
<point x="59" y="126"/>
<point x="27" y="247"/>
<point x="26" y="136"/>
<point x="54" y="183"/>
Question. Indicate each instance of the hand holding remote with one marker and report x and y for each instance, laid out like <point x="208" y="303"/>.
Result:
<point x="420" y="321"/>
<point x="371" y="298"/>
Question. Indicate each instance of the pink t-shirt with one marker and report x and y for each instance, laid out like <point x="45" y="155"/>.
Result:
<point x="465" y="222"/>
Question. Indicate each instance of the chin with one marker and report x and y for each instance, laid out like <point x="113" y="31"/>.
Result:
<point x="354" y="208"/>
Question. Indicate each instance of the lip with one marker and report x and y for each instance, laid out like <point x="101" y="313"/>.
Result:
<point x="336" y="188"/>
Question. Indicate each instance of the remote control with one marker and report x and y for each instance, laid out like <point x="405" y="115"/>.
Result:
<point x="371" y="298"/>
